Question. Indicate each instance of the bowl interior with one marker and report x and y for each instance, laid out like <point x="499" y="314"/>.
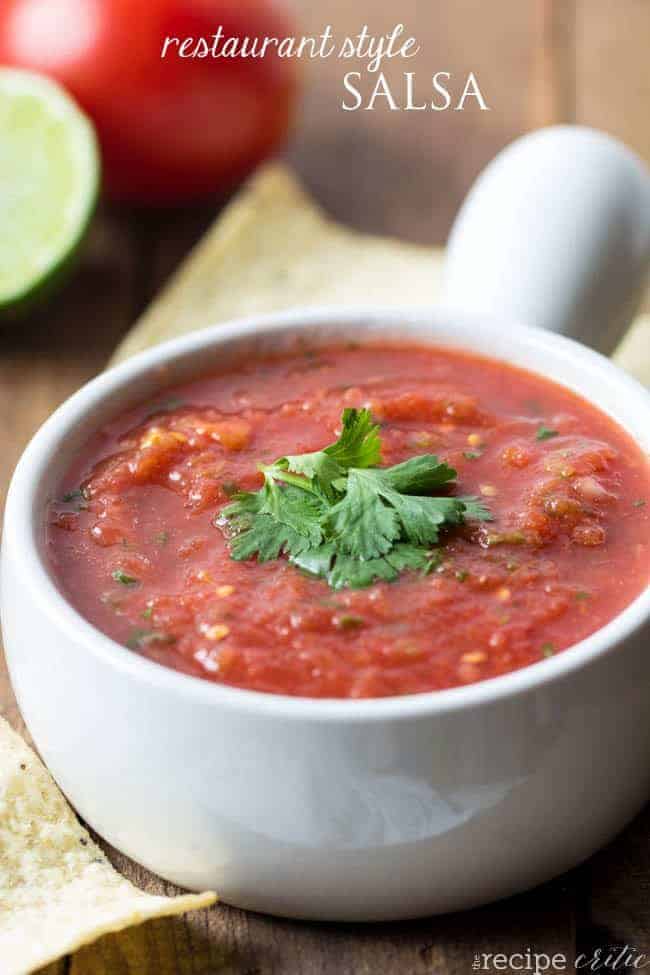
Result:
<point x="221" y="347"/>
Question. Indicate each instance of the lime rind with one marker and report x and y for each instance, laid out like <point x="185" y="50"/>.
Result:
<point x="49" y="183"/>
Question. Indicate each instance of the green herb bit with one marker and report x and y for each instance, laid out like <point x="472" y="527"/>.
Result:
<point x="73" y="496"/>
<point x="337" y="515"/>
<point x="582" y="595"/>
<point x="161" y="538"/>
<point x="548" y="649"/>
<point x="545" y="433"/>
<point x="76" y="497"/>
<point x="505" y="538"/>
<point x="471" y="454"/>
<point x="461" y="575"/>
<point x="639" y="503"/>
<point x="147" y="613"/>
<point x="433" y="564"/>
<point x="126" y="580"/>
<point x="141" y="638"/>
<point x="348" y="621"/>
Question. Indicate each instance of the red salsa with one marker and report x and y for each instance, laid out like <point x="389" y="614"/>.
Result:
<point x="135" y="542"/>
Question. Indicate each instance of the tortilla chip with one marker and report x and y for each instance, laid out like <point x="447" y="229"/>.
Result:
<point x="273" y="248"/>
<point x="633" y="354"/>
<point x="58" y="891"/>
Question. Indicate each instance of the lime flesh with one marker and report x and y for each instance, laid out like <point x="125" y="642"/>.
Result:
<point x="49" y="179"/>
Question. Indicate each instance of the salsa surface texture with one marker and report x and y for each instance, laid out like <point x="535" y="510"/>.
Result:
<point x="134" y="544"/>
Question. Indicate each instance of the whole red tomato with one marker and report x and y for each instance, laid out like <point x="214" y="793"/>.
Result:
<point x="171" y="129"/>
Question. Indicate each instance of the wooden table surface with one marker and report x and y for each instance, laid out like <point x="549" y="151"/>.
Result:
<point x="405" y="174"/>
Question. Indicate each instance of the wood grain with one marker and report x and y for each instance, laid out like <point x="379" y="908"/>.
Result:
<point x="87" y="319"/>
<point x="613" y="93"/>
<point x="612" y="75"/>
<point x="401" y="174"/>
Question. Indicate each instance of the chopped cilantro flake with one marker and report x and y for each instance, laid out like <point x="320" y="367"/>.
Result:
<point x="126" y="580"/>
<point x="347" y="622"/>
<point x="76" y="497"/>
<point x="544" y="433"/>
<point x="433" y="564"/>
<point x="141" y="638"/>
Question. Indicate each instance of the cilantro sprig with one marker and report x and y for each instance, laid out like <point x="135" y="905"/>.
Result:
<point x="337" y="515"/>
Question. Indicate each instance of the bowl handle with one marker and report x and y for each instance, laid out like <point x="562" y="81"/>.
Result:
<point x="555" y="232"/>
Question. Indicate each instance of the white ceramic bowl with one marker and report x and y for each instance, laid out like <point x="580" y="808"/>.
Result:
<point x="340" y="810"/>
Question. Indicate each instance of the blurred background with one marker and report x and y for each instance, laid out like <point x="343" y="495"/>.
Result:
<point x="537" y="61"/>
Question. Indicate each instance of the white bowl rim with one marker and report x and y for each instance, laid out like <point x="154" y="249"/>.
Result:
<point x="31" y="470"/>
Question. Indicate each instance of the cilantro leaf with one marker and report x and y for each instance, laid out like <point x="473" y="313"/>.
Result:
<point x="422" y="517"/>
<point x="267" y="538"/>
<point x="358" y="574"/>
<point x="318" y="466"/>
<point x="276" y="519"/>
<point x="418" y="475"/>
<point x="293" y="507"/>
<point x="358" y="446"/>
<point x="345" y="571"/>
<point x="361" y="524"/>
<point x="545" y="433"/>
<point x="315" y="561"/>
<point x="475" y="510"/>
<point x="338" y="516"/>
<point x="404" y="556"/>
<point x="373" y="513"/>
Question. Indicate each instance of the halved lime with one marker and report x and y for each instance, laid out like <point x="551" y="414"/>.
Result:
<point x="49" y="179"/>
